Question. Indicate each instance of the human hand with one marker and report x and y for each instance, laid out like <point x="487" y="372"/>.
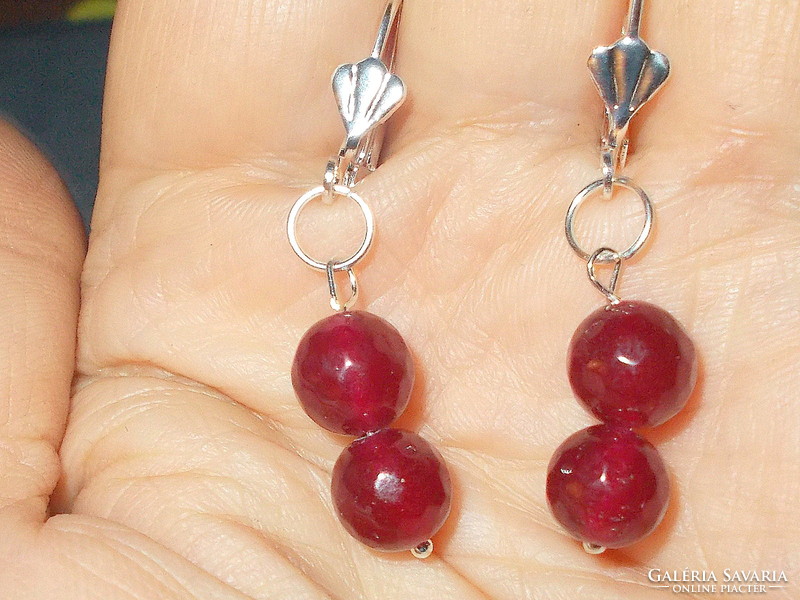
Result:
<point x="188" y="469"/>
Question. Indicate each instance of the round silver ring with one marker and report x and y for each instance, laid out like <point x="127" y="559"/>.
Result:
<point x="569" y="224"/>
<point x="319" y="192"/>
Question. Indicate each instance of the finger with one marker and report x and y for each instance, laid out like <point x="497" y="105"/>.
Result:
<point x="733" y="98"/>
<point x="504" y="63"/>
<point x="195" y="83"/>
<point x="733" y="63"/>
<point x="41" y="250"/>
<point x="523" y="67"/>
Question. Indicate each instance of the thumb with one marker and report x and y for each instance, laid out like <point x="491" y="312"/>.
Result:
<point x="68" y="556"/>
<point x="41" y="252"/>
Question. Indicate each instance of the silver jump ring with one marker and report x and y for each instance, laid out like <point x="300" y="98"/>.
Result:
<point x="610" y="290"/>
<point x="569" y="225"/>
<point x="336" y="301"/>
<point x="321" y="192"/>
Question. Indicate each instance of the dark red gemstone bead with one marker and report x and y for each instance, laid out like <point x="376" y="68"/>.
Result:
<point x="632" y="364"/>
<point x="353" y="373"/>
<point x="607" y="486"/>
<point x="391" y="490"/>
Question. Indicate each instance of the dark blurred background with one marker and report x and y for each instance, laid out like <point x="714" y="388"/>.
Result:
<point x="52" y="67"/>
<point x="17" y="12"/>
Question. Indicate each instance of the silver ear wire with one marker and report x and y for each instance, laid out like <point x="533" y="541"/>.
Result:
<point x="367" y="94"/>
<point x="627" y="74"/>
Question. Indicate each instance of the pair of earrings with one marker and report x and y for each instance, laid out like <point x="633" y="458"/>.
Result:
<point x="630" y="363"/>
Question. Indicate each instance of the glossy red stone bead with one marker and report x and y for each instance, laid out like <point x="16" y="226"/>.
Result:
<point x="632" y="364"/>
<point x="607" y="486"/>
<point x="353" y="373"/>
<point x="391" y="490"/>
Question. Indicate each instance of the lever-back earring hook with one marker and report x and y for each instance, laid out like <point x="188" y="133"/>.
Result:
<point x="367" y="93"/>
<point x="626" y="74"/>
<point x="631" y="28"/>
<point x="386" y="42"/>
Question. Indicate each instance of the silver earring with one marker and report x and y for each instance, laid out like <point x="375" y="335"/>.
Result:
<point x="352" y="371"/>
<point x="630" y="363"/>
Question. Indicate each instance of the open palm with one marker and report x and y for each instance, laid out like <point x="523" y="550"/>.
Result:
<point x="188" y="469"/>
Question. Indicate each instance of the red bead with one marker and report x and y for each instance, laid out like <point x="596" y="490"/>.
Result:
<point x="607" y="486"/>
<point x="353" y="373"/>
<point x="632" y="364"/>
<point x="391" y="490"/>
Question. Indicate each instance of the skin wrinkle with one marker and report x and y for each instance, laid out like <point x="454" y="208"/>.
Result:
<point x="471" y="583"/>
<point x="354" y="569"/>
<point x="238" y="522"/>
<point x="468" y="297"/>
<point x="283" y="548"/>
<point x="39" y="458"/>
<point x="141" y="410"/>
<point x="87" y="384"/>
<point x="570" y="574"/>
<point x="171" y="577"/>
<point x="86" y="568"/>
<point x="489" y="479"/>
<point x="204" y="474"/>
<point x="135" y="480"/>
